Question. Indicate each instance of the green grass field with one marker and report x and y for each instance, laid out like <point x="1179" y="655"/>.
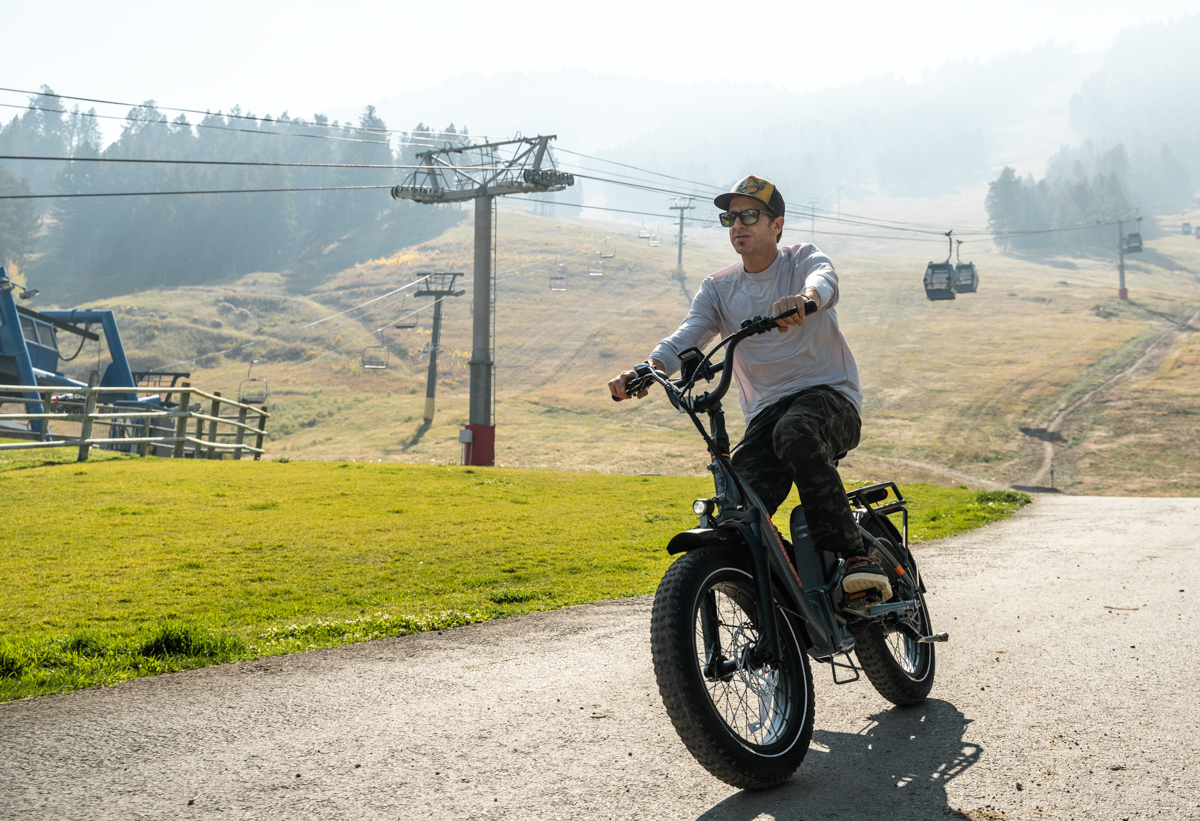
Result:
<point x="122" y="567"/>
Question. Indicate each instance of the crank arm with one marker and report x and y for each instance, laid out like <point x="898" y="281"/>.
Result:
<point x="901" y="607"/>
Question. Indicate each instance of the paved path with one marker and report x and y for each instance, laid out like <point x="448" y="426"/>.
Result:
<point x="1068" y="691"/>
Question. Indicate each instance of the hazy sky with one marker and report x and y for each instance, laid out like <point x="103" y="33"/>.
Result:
<point x="269" y="55"/>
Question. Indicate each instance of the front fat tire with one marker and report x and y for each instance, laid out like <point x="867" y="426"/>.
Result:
<point x="685" y="692"/>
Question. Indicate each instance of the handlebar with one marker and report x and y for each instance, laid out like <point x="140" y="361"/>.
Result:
<point x="750" y="327"/>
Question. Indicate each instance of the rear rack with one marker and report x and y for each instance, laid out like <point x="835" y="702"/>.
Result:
<point x="872" y="500"/>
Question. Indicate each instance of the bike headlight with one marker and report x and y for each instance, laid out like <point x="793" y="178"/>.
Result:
<point x="703" y="507"/>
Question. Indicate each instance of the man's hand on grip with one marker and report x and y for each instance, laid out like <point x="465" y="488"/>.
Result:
<point x="617" y="386"/>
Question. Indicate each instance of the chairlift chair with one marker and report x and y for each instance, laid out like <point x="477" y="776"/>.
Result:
<point x="939" y="280"/>
<point x="596" y="268"/>
<point x="1133" y="243"/>
<point x="253" y="390"/>
<point x="644" y="231"/>
<point x="375" y="358"/>
<point x="607" y="251"/>
<point x="558" y="282"/>
<point x="655" y="241"/>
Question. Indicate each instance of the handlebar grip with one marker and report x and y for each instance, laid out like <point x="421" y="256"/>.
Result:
<point x="635" y="384"/>
<point x="810" y="307"/>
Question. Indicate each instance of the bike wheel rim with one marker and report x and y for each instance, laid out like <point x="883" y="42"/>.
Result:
<point x="761" y="707"/>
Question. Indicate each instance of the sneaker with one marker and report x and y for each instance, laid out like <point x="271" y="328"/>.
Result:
<point x="865" y="573"/>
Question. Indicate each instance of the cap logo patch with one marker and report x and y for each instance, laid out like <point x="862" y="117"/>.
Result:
<point x="755" y="187"/>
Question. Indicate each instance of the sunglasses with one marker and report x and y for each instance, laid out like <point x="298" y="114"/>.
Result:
<point x="748" y="217"/>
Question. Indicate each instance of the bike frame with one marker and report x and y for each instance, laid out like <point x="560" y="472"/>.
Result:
<point x="805" y="593"/>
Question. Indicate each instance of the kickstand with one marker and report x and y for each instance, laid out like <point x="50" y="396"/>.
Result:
<point x="834" y="664"/>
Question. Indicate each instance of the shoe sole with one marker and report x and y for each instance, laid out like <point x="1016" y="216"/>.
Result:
<point x="855" y="583"/>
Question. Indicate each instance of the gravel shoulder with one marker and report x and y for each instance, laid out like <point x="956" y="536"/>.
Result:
<point x="1068" y="690"/>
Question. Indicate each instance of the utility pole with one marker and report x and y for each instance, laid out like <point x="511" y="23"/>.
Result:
<point x="682" y="205"/>
<point x="481" y="173"/>
<point x="1122" y="293"/>
<point x="1123" y="249"/>
<point x="439" y="286"/>
<point x="812" y="214"/>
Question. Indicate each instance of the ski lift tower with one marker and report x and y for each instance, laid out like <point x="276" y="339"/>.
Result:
<point x="437" y="286"/>
<point x="482" y="172"/>
<point x="682" y="205"/>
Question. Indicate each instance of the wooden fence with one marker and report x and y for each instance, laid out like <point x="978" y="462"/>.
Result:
<point x="184" y="430"/>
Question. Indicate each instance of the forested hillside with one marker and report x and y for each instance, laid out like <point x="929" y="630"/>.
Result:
<point x="91" y="247"/>
<point x="1144" y="98"/>
<point x="1140" y="148"/>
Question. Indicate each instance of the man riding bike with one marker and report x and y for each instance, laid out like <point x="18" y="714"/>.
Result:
<point x="798" y="389"/>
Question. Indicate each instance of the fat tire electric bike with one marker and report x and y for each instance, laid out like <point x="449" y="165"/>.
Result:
<point x="738" y="616"/>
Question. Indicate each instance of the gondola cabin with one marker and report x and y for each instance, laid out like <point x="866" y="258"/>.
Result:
<point x="939" y="280"/>
<point x="1187" y="228"/>
<point x="1133" y="243"/>
<point x="966" y="278"/>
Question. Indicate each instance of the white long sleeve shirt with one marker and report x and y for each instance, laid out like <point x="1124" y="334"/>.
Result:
<point x="770" y="366"/>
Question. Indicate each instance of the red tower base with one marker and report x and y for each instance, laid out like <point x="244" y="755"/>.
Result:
<point x="479" y="445"/>
<point x="1122" y="293"/>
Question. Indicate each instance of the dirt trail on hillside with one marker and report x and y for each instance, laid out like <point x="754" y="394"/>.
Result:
<point x="1151" y="356"/>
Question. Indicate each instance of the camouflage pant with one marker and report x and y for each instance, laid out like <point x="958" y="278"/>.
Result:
<point x="799" y="439"/>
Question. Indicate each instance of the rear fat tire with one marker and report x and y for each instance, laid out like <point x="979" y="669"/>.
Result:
<point x="712" y="718"/>
<point x="899" y="668"/>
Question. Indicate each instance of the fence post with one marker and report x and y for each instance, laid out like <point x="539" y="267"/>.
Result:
<point x="198" y="437"/>
<point x="145" y="448"/>
<point x="44" y="433"/>
<point x="185" y="399"/>
<point x="258" y="439"/>
<point x="240" y="438"/>
<point x="89" y="407"/>
<point x="215" y="412"/>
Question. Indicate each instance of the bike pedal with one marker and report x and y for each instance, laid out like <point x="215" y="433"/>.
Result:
<point x="863" y="598"/>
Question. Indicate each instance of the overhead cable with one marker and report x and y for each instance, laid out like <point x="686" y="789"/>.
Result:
<point x="717" y="188"/>
<point x="232" y="116"/>
<point x="413" y="140"/>
<point x="204" y="125"/>
<point x="181" y="193"/>
<point x="236" y="162"/>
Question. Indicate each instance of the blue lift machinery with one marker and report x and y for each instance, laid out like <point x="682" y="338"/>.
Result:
<point x="30" y="355"/>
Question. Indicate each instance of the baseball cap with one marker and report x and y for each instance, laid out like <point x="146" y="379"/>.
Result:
<point x="756" y="188"/>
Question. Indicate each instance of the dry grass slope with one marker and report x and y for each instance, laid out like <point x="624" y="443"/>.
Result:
<point x="949" y="386"/>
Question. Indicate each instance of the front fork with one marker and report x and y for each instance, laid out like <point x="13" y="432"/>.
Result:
<point x="752" y="524"/>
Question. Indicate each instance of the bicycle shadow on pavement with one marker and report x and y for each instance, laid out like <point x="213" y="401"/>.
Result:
<point x="896" y="768"/>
